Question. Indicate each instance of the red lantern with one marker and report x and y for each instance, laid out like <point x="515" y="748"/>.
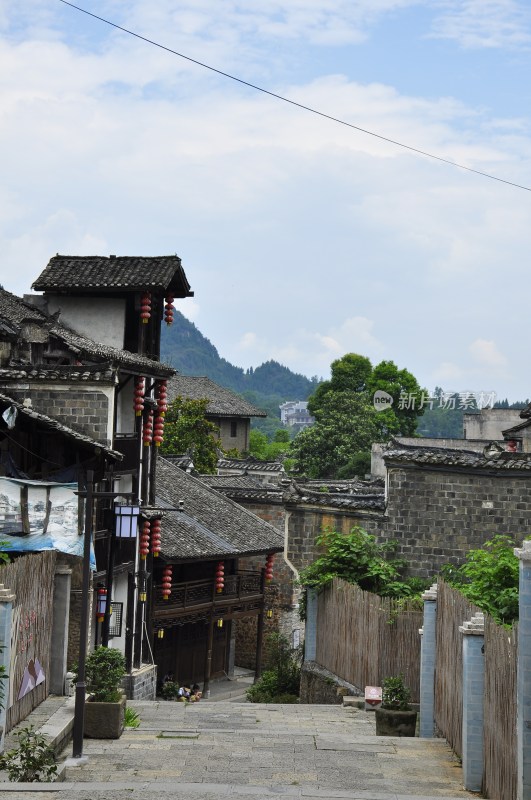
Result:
<point x="162" y="397"/>
<point x="155" y="536"/>
<point x="144" y="539"/>
<point x="220" y="577"/>
<point x="168" y="309"/>
<point x="145" y="307"/>
<point x="101" y="605"/>
<point x="147" y="434"/>
<point x="158" y="434"/>
<point x="166" y="582"/>
<point x="269" y="568"/>
<point x="139" y="396"/>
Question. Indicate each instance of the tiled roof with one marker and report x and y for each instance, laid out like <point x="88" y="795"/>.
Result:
<point x="348" y="487"/>
<point x="245" y="465"/>
<point x="113" y="273"/>
<point x="50" y="422"/>
<point x="222" y="402"/>
<point x="490" y="459"/>
<point x="370" y="501"/>
<point x="72" y="374"/>
<point x="232" y="482"/>
<point x="19" y="313"/>
<point x="210" y="525"/>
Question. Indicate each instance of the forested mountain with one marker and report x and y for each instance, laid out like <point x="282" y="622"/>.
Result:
<point x="188" y="351"/>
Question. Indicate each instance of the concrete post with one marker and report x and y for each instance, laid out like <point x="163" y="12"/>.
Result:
<point x="473" y="690"/>
<point x="7" y="598"/>
<point x="59" y="644"/>
<point x="427" y="664"/>
<point x="310" y="634"/>
<point x="523" y="682"/>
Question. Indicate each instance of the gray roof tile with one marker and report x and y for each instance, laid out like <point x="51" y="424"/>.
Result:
<point x="222" y="402"/>
<point x="210" y="525"/>
<point x="114" y="273"/>
<point x="490" y="459"/>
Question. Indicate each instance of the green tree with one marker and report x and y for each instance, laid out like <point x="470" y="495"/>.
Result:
<point x="261" y="448"/>
<point x="346" y="425"/>
<point x="188" y="430"/>
<point x="347" y="422"/>
<point x="489" y="578"/>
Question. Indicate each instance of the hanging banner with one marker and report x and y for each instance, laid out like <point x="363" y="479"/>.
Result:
<point x="36" y="515"/>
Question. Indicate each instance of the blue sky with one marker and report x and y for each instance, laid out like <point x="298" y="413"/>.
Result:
<point x="302" y="239"/>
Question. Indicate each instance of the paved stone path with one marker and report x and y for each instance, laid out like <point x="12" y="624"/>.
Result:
<point x="226" y="749"/>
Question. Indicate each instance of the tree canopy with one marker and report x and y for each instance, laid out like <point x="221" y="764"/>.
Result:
<point x="346" y="420"/>
<point x="187" y="430"/>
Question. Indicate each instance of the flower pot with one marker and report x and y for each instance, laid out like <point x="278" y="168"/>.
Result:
<point x="395" y="723"/>
<point x="104" y="720"/>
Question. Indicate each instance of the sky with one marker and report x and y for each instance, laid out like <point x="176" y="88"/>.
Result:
<point x="303" y="239"/>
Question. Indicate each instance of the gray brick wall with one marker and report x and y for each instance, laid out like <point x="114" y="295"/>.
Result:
<point x="83" y="410"/>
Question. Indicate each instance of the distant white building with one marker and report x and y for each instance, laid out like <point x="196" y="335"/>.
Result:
<point x="295" y="413"/>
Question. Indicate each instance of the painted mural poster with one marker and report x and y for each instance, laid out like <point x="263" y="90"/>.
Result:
<point x="36" y="515"/>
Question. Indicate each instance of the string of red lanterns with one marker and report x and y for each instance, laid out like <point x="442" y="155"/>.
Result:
<point x="166" y="582"/>
<point x="158" y="433"/>
<point x="147" y="433"/>
<point x="162" y="397"/>
<point x="145" y="307"/>
<point x="155" y="536"/>
<point x="168" y="309"/>
<point x="144" y="539"/>
<point x="139" y="395"/>
<point x="220" y="576"/>
<point x="269" y="568"/>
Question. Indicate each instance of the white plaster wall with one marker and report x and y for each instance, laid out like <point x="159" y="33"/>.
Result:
<point x="102" y="319"/>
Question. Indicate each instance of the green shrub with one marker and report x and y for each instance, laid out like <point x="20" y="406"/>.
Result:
<point x="170" y="690"/>
<point x="105" y="668"/>
<point x="282" y="678"/>
<point x="33" y="761"/>
<point x="396" y="696"/>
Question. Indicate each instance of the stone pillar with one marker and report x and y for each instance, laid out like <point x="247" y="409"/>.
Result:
<point x="523" y="683"/>
<point x="59" y="643"/>
<point x="427" y="664"/>
<point x="310" y="636"/>
<point x="7" y="598"/>
<point x="473" y="690"/>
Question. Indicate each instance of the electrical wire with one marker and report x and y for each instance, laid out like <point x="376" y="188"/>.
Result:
<point x="257" y="88"/>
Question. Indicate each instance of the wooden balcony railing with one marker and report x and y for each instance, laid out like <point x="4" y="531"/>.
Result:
<point x="193" y="594"/>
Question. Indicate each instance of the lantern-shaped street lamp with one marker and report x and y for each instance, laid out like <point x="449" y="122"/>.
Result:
<point x="126" y="521"/>
<point x="101" y="604"/>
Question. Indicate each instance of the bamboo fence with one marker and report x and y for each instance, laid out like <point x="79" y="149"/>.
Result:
<point x="501" y="651"/>
<point x="452" y="610"/>
<point x="31" y="578"/>
<point x="363" y="638"/>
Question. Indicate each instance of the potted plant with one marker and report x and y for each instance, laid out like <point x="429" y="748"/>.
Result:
<point x="395" y="716"/>
<point x="105" y="709"/>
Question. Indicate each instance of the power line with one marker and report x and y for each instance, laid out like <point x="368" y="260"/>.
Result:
<point x="412" y="149"/>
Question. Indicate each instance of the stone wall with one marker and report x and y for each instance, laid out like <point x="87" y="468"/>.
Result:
<point x="319" y="686"/>
<point x="438" y="515"/>
<point x="84" y="410"/>
<point x="141" y="684"/>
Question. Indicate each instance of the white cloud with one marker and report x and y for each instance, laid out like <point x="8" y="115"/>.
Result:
<point x="486" y="353"/>
<point x="484" y="23"/>
<point x="188" y="308"/>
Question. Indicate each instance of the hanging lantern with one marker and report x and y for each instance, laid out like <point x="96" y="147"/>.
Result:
<point x="101" y="604"/>
<point x="269" y="568"/>
<point x="168" y="309"/>
<point x="220" y="622"/>
<point x="166" y="582"/>
<point x="158" y="432"/>
<point x="144" y="539"/>
<point x="162" y="397"/>
<point x="145" y="307"/>
<point x="155" y="536"/>
<point x="147" y="433"/>
<point x="269" y="613"/>
<point x="220" y="577"/>
<point x="160" y="633"/>
<point x="139" y="396"/>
